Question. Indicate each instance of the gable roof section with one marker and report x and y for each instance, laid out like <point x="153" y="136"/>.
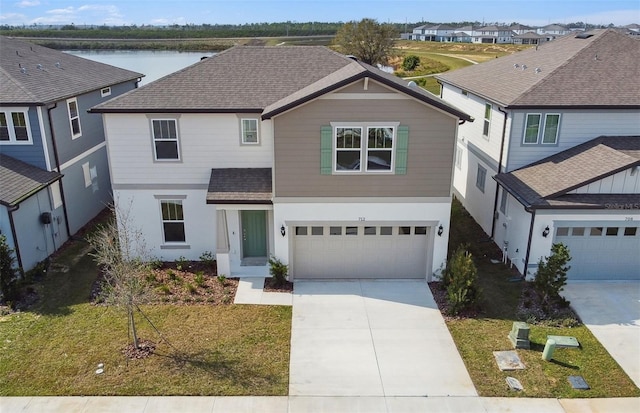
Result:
<point x="240" y="186"/>
<point x="253" y="79"/>
<point x="19" y="180"/>
<point x="599" y="71"/>
<point x="547" y="183"/>
<point x="36" y="75"/>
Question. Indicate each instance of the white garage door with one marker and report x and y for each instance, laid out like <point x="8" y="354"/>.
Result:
<point x="349" y="251"/>
<point x="602" y="251"/>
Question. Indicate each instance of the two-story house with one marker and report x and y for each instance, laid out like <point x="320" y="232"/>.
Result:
<point x="492" y="34"/>
<point x="553" y="31"/>
<point x="53" y="157"/>
<point x="331" y="165"/>
<point x="540" y="115"/>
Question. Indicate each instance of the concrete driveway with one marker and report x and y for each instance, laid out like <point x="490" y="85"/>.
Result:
<point x="372" y="338"/>
<point x="611" y="310"/>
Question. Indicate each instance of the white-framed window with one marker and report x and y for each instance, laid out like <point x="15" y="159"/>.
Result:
<point x="74" y="118"/>
<point x="481" y="177"/>
<point x="551" y="128"/>
<point x="105" y="91"/>
<point x="487" y="120"/>
<point x="172" y="220"/>
<point x="165" y="139"/>
<point x="372" y="153"/>
<point x="249" y="131"/>
<point x="458" y="160"/>
<point x="14" y="127"/>
<point x="535" y="132"/>
<point x="532" y="128"/>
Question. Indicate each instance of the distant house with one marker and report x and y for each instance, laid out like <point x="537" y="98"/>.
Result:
<point x="552" y="31"/>
<point x="336" y="168"/>
<point x="520" y="29"/>
<point x="553" y="155"/>
<point x="433" y="33"/>
<point x="492" y="34"/>
<point x="53" y="159"/>
<point x="529" y="38"/>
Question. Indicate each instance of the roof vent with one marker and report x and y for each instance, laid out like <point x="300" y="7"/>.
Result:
<point x="58" y="65"/>
<point x="515" y="65"/>
<point x="40" y="67"/>
<point x="23" y="70"/>
<point x="584" y="35"/>
<point x="538" y="70"/>
<point x="412" y="84"/>
<point x="524" y="67"/>
<point x="352" y="57"/>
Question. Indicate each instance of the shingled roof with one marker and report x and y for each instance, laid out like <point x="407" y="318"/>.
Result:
<point x="253" y="79"/>
<point x="594" y="69"/>
<point x="547" y="183"/>
<point x="240" y="186"/>
<point x="19" y="180"/>
<point x="36" y="75"/>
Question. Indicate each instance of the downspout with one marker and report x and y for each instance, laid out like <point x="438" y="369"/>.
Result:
<point x="526" y="257"/>
<point x="495" y="198"/>
<point x="11" y="210"/>
<point x="57" y="159"/>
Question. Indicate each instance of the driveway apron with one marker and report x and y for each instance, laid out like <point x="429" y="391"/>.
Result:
<point x="372" y="338"/>
<point x="611" y="310"/>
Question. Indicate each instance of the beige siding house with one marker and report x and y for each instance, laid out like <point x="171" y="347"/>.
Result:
<point x="334" y="167"/>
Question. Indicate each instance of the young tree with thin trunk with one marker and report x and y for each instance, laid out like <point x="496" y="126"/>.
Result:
<point x="368" y="40"/>
<point x="121" y="254"/>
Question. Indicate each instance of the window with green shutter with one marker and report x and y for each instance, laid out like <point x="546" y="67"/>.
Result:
<point x="402" y="146"/>
<point x="326" y="150"/>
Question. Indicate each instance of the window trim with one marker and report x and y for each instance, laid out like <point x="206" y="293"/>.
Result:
<point x="504" y="199"/>
<point x="488" y="108"/>
<point x="177" y="139"/>
<point x="364" y="147"/>
<point x="105" y="91"/>
<point x="526" y="123"/>
<point x="542" y="128"/>
<point x="11" y="129"/>
<point x="163" y="221"/>
<point x="242" y="131"/>
<point x="72" y="118"/>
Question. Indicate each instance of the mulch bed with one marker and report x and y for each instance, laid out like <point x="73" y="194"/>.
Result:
<point x="272" y="286"/>
<point x="144" y="350"/>
<point x="440" y="297"/>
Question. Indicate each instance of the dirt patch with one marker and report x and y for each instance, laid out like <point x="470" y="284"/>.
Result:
<point x="271" y="285"/>
<point x="145" y="349"/>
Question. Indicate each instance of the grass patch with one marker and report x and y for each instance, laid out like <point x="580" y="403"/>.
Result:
<point x="54" y="347"/>
<point x="476" y="338"/>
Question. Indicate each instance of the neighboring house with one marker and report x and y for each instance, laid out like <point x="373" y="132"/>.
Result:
<point x="529" y="38"/>
<point x="533" y="105"/>
<point x="492" y="34"/>
<point x="53" y="161"/>
<point x="553" y="31"/>
<point x="520" y="29"/>
<point x="331" y="165"/>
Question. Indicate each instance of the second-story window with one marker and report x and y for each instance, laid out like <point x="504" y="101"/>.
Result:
<point x="165" y="140"/>
<point x="74" y="118"/>
<point x="535" y="132"/>
<point x="249" y="131"/>
<point x="487" y="121"/>
<point x="14" y="127"/>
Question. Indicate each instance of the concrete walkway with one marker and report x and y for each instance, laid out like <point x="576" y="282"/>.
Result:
<point x="250" y="291"/>
<point x="372" y="338"/>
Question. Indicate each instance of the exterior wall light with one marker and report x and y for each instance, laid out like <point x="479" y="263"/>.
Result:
<point x="283" y="231"/>
<point x="440" y="230"/>
<point x="545" y="232"/>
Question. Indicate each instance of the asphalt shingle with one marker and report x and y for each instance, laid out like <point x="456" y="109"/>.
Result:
<point x="240" y="186"/>
<point x="19" y="180"/>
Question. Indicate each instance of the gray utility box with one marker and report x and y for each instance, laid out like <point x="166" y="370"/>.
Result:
<point x="519" y="335"/>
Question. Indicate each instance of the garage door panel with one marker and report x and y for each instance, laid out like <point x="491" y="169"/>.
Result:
<point x="362" y="255"/>
<point x="602" y="251"/>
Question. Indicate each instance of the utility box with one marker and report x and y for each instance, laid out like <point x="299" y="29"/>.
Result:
<point x="519" y="335"/>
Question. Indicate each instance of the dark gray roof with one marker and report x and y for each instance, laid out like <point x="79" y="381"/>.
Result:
<point x="36" y="75"/>
<point x="599" y="71"/>
<point x="257" y="79"/>
<point x="19" y="180"/>
<point x="549" y="181"/>
<point x="240" y="186"/>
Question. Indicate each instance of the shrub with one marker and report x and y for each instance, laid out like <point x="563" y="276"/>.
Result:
<point x="208" y="258"/>
<point x="8" y="274"/>
<point x="199" y="278"/>
<point x="181" y="263"/>
<point x="163" y="289"/>
<point x="190" y="288"/>
<point x="155" y="263"/>
<point x="410" y="62"/>
<point x="222" y="279"/>
<point x="552" y="275"/>
<point x="460" y="280"/>
<point x="278" y="270"/>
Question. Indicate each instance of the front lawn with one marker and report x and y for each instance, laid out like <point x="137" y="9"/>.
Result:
<point x="54" y="347"/>
<point x="478" y="336"/>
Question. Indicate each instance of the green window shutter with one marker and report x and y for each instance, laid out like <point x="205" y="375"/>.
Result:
<point x="402" y="145"/>
<point x="326" y="150"/>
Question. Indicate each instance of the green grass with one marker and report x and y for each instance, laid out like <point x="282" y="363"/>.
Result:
<point x="477" y="338"/>
<point x="54" y="348"/>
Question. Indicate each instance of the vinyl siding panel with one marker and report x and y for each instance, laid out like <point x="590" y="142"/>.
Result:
<point x="297" y="150"/>
<point x="33" y="153"/>
<point x="625" y="182"/>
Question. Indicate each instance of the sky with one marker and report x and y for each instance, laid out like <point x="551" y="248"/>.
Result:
<point x="164" y="12"/>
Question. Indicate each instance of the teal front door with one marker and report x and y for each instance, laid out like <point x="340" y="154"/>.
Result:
<point x="254" y="233"/>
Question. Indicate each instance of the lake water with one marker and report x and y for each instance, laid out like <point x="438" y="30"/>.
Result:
<point x="153" y="64"/>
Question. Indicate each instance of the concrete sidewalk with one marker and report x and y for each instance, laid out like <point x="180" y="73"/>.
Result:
<point x="301" y="404"/>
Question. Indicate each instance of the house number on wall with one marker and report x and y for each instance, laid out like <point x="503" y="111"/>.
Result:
<point x="361" y="219"/>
